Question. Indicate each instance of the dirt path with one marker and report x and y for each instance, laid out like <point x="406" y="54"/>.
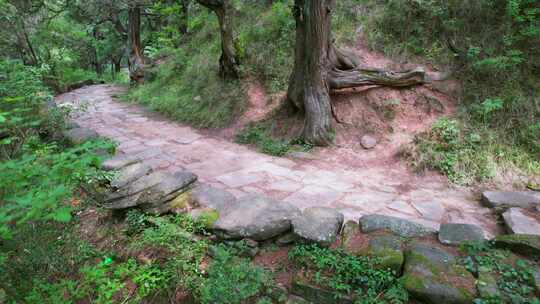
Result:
<point x="355" y="190"/>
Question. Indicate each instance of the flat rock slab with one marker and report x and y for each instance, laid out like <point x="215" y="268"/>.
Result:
<point x="130" y="174"/>
<point x="206" y="196"/>
<point x="398" y="226"/>
<point x="256" y="217"/>
<point x="432" y="275"/>
<point x="318" y="224"/>
<point x="524" y="244"/>
<point x="521" y="221"/>
<point x="80" y="135"/>
<point x="152" y="189"/>
<point x="120" y="161"/>
<point x="507" y="199"/>
<point x="455" y="234"/>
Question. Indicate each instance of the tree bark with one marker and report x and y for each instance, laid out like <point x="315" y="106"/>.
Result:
<point x="135" y="59"/>
<point x="308" y="87"/>
<point x="320" y="66"/>
<point x="184" y="15"/>
<point x="228" y="61"/>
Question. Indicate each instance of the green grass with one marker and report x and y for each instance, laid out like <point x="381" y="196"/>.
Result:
<point x="468" y="155"/>
<point x="259" y="135"/>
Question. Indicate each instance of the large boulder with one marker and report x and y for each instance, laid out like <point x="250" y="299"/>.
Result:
<point x="387" y="251"/>
<point x="506" y="199"/>
<point x="80" y="135"/>
<point x="256" y="217"/>
<point x="522" y="221"/>
<point x="432" y="275"/>
<point x="524" y="244"/>
<point x="318" y="224"/>
<point x="398" y="226"/>
<point x="455" y="234"/>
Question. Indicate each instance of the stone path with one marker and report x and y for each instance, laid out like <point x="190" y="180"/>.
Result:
<point x="167" y="145"/>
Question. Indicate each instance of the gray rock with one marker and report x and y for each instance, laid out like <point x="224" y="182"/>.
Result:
<point x="507" y="199"/>
<point x="286" y="239"/>
<point x="423" y="280"/>
<point x="368" y="141"/>
<point x="151" y="190"/>
<point x="80" y="135"/>
<point x="398" y="226"/>
<point x="521" y="221"/>
<point x="130" y="174"/>
<point x="120" y="161"/>
<point x="296" y="300"/>
<point x="209" y="197"/>
<point x="455" y="234"/>
<point x="318" y="224"/>
<point x="257" y="218"/>
<point x="431" y="210"/>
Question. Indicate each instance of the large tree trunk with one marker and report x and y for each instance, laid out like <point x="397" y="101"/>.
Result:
<point x="228" y="62"/>
<point x="135" y="59"/>
<point x="319" y="66"/>
<point x="308" y="87"/>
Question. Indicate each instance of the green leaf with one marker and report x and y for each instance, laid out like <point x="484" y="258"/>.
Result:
<point x="62" y="215"/>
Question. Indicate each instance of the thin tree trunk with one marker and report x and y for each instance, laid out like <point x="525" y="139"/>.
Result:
<point x="228" y="61"/>
<point x="184" y="15"/>
<point x="136" y="59"/>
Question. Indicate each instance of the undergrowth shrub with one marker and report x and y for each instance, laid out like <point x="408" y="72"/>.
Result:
<point x="232" y="279"/>
<point x="490" y="46"/>
<point x="467" y="155"/>
<point x="349" y="275"/>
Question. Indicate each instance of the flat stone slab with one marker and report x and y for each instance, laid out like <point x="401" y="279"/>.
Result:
<point x="398" y="226"/>
<point x="206" y="196"/>
<point x="521" y="221"/>
<point x="256" y="217"/>
<point x="455" y="234"/>
<point x="318" y="224"/>
<point x="507" y="199"/>
<point x="117" y="162"/>
<point x="80" y="135"/>
<point x="152" y="189"/>
<point x="423" y="279"/>
<point x="130" y="174"/>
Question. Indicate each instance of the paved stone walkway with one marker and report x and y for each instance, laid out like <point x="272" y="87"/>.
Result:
<point x="167" y="145"/>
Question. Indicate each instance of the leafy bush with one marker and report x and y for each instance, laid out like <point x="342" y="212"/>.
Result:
<point x="23" y="99"/>
<point x="38" y="185"/>
<point x="349" y="275"/>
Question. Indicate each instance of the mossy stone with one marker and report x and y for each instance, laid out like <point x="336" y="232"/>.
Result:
<point x="181" y="202"/>
<point x="387" y="250"/>
<point x="432" y="275"/>
<point x="207" y="216"/>
<point x="526" y="244"/>
<point x="486" y="284"/>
